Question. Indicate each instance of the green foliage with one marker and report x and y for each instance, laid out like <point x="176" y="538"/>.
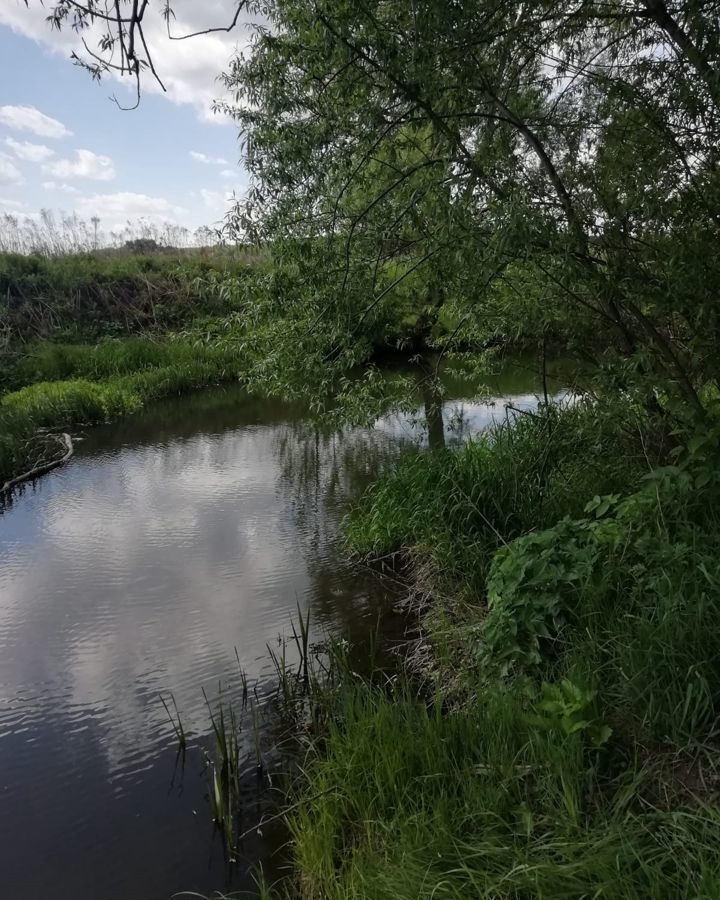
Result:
<point x="628" y="578"/>
<point x="636" y="587"/>
<point x="533" y="586"/>
<point x="630" y="589"/>
<point x="447" y="174"/>
<point x="460" y="506"/>
<point x="56" y="362"/>
<point x="574" y="759"/>
<point x="566" y="708"/>
<point x="410" y="800"/>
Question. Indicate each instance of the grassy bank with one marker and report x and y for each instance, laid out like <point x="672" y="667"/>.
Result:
<point x="90" y="295"/>
<point x="89" y="337"/>
<point x="563" y="740"/>
<point x="73" y="385"/>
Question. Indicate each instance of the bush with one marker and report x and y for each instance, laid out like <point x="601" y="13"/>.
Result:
<point x="634" y="587"/>
<point x="459" y="506"/>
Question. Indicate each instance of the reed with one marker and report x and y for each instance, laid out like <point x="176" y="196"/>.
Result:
<point x="175" y="721"/>
<point x="302" y="643"/>
<point x="225" y="766"/>
<point x="243" y="680"/>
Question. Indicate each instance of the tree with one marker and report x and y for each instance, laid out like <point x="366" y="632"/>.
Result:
<point x="574" y="160"/>
<point x="122" y="47"/>
<point x="521" y="166"/>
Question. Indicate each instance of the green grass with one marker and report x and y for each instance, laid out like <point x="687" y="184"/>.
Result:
<point x="99" y="383"/>
<point x="410" y="801"/>
<point x="565" y="745"/>
<point x="47" y="361"/>
<point x="459" y="506"/>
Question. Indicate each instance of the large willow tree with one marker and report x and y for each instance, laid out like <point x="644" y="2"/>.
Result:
<point x="517" y="167"/>
<point x="544" y="165"/>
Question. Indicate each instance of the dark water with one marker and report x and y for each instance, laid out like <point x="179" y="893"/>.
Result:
<point x="170" y="542"/>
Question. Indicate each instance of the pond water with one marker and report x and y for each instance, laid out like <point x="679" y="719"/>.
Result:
<point x="172" y="542"/>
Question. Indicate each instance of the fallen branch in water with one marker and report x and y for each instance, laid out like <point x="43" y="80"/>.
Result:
<point x="45" y="467"/>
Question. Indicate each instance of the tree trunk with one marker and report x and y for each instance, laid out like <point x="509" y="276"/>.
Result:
<point x="433" y="405"/>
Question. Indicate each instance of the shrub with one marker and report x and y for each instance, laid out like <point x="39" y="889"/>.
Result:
<point x="459" y="506"/>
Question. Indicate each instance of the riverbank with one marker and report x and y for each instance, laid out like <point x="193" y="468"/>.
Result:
<point x="560" y="737"/>
<point x="72" y="386"/>
<point x="88" y="296"/>
<point x="88" y="338"/>
<point x="92" y="337"/>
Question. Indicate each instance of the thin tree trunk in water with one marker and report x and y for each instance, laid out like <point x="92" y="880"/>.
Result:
<point x="432" y="402"/>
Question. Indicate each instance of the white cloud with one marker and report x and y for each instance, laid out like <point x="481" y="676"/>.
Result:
<point x="125" y="205"/>
<point x="30" y="152"/>
<point x="217" y="202"/>
<point x="9" y="172"/>
<point x="208" y="160"/>
<point x="189" y="69"/>
<point x="55" y="186"/>
<point x="230" y="173"/>
<point x="85" y="165"/>
<point x="27" y="118"/>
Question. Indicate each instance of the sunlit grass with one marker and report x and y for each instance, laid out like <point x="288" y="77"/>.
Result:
<point x="101" y="383"/>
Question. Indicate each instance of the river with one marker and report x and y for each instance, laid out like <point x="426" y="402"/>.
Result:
<point x="173" y="544"/>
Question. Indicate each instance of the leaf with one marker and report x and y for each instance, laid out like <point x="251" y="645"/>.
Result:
<point x="600" y="735"/>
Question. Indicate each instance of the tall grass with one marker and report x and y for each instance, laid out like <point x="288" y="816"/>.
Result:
<point x="565" y="743"/>
<point x="58" y="362"/>
<point x="101" y="383"/>
<point x="409" y="800"/>
<point x="112" y="294"/>
<point x="459" y="506"/>
<point x="48" y="235"/>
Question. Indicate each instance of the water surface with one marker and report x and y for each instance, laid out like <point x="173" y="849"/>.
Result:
<point x="170" y="542"/>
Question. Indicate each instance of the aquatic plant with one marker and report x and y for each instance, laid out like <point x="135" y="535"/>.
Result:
<point x="175" y="721"/>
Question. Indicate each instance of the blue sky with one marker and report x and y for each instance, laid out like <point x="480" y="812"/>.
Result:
<point x="65" y="146"/>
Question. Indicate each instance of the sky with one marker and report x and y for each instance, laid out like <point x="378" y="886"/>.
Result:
<point x="67" y="147"/>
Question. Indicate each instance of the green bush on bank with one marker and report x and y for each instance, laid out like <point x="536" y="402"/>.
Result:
<point x="633" y="590"/>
